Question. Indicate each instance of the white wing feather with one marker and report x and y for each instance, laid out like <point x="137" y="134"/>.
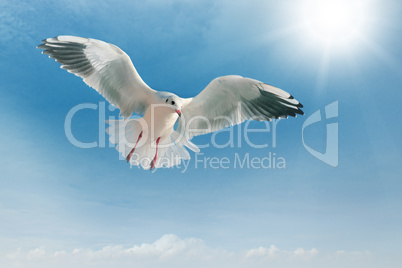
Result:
<point x="103" y="66"/>
<point x="230" y="100"/>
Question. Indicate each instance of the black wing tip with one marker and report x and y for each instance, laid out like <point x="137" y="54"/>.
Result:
<point x="47" y="40"/>
<point x="299" y="105"/>
<point x="299" y="112"/>
<point x="44" y="42"/>
<point x="47" y="52"/>
<point x="295" y="110"/>
<point x="41" y="46"/>
<point x="294" y="113"/>
<point x="292" y="98"/>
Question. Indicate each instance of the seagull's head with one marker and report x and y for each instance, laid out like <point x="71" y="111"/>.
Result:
<point x="172" y="101"/>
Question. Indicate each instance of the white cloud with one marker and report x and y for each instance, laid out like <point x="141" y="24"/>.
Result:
<point x="275" y="253"/>
<point x="262" y="251"/>
<point x="170" y="251"/>
<point x="168" y="246"/>
<point x="306" y="254"/>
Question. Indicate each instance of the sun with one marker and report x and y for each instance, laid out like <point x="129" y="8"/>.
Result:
<point x="334" y="22"/>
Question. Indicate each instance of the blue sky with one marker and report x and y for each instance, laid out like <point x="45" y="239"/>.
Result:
<point x="87" y="204"/>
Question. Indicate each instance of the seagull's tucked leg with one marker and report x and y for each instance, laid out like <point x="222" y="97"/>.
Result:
<point x="156" y="155"/>
<point x="132" y="150"/>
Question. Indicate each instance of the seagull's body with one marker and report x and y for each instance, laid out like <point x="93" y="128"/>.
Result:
<point x="151" y="141"/>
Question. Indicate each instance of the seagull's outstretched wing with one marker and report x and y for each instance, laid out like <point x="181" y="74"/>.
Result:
<point x="103" y="66"/>
<point x="230" y="100"/>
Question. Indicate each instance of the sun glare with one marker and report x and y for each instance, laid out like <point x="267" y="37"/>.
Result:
<point x="334" y="22"/>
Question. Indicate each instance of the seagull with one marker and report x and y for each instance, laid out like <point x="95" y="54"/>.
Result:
<point x="168" y="122"/>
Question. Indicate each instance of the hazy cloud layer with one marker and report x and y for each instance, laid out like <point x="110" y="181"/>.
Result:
<point x="172" y="251"/>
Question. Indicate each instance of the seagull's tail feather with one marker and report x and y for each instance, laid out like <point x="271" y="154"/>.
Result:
<point x="124" y="133"/>
<point x="171" y="147"/>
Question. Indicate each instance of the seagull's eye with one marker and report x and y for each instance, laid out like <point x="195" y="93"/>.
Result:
<point x="172" y="102"/>
<point x="166" y="100"/>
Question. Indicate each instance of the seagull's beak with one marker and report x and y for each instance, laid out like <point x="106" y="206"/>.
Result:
<point x="178" y="112"/>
